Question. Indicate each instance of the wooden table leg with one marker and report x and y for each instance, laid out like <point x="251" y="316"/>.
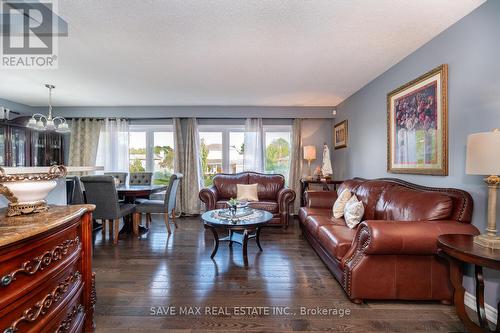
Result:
<point x="245" y="247"/>
<point x="257" y="239"/>
<point x="481" y="313"/>
<point x="456" y="277"/>
<point x="216" y="240"/>
<point x="498" y="318"/>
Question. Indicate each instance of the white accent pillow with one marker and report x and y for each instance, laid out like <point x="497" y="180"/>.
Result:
<point x="247" y="192"/>
<point x="353" y="212"/>
<point x="339" y="205"/>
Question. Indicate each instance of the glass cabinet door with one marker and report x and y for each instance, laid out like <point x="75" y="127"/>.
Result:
<point x="54" y="148"/>
<point x="3" y="150"/>
<point x="18" y="146"/>
<point x="38" y="143"/>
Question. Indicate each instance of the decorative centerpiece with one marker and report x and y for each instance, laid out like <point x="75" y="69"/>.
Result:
<point x="233" y="206"/>
<point x="27" y="192"/>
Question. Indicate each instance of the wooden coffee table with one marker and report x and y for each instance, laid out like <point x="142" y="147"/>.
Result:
<point x="460" y="250"/>
<point x="239" y="231"/>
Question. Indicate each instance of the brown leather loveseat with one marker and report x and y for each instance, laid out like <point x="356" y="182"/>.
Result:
<point x="392" y="253"/>
<point x="273" y="195"/>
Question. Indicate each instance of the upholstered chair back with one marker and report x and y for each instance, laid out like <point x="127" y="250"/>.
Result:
<point x="101" y="192"/>
<point x="171" y="193"/>
<point x="121" y="176"/>
<point x="140" y="178"/>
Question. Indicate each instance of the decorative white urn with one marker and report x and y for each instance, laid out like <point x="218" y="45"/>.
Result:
<point x="27" y="192"/>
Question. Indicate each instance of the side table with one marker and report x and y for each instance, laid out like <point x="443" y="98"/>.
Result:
<point x="305" y="182"/>
<point x="460" y="250"/>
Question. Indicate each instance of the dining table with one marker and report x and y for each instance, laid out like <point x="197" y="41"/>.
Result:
<point x="130" y="193"/>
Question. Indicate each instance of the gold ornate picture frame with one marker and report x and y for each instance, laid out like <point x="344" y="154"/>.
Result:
<point x="417" y="125"/>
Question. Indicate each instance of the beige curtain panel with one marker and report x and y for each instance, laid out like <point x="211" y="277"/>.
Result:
<point x="191" y="183"/>
<point x="178" y="162"/>
<point x="296" y="162"/>
<point x="84" y="140"/>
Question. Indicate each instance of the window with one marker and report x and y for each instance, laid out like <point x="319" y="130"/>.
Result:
<point x="151" y="149"/>
<point x="277" y="141"/>
<point x="222" y="148"/>
<point x="211" y="155"/>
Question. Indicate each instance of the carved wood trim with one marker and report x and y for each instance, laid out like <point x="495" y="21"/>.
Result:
<point x="66" y="323"/>
<point x="43" y="306"/>
<point x="36" y="264"/>
<point x="93" y="294"/>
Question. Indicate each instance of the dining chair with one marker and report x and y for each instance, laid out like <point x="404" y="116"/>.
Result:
<point x="101" y="192"/>
<point x="166" y="206"/>
<point x="140" y="178"/>
<point x="121" y="176"/>
<point x="74" y="192"/>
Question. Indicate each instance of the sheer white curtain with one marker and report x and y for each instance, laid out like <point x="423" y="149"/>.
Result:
<point x="112" y="152"/>
<point x="253" y="155"/>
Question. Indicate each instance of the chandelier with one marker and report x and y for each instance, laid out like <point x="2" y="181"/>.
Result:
<point x="41" y="122"/>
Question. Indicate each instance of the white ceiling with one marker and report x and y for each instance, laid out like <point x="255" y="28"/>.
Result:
<point x="229" y="52"/>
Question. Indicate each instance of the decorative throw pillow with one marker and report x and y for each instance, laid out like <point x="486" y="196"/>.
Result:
<point x="247" y="192"/>
<point x="353" y="212"/>
<point x="339" y="205"/>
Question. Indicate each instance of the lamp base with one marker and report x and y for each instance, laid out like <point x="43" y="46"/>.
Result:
<point x="492" y="242"/>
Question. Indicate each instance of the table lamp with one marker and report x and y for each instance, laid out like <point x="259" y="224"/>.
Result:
<point x="483" y="158"/>
<point x="309" y="155"/>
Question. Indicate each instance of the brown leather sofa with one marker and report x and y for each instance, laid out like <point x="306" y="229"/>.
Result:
<point x="274" y="196"/>
<point x="392" y="254"/>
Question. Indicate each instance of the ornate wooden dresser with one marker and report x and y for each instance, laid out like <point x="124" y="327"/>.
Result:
<point x="46" y="279"/>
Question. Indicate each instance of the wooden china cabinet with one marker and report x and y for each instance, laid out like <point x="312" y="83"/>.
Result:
<point x="22" y="146"/>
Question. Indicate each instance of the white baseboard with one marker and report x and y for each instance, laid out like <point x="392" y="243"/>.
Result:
<point x="491" y="312"/>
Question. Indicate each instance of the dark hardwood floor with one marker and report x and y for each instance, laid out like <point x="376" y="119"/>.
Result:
<point x="176" y="271"/>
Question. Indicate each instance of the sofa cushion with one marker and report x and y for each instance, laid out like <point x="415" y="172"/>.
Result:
<point x="404" y="204"/>
<point x="313" y="222"/>
<point x="336" y="239"/>
<point x="226" y="184"/>
<point x="369" y="193"/>
<point x="270" y="206"/>
<point x="269" y="185"/>
<point x="304" y="212"/>
<point x="221" y="204"/>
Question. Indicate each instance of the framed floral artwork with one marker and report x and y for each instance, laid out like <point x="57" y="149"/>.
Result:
<point x="417" y="125"/>
<point x="340" y="135"/>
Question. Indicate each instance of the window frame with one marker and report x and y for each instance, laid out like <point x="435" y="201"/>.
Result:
<point x="150" y="139"/>
<point x="226" y="129"/>
<point x="277" y="128"/>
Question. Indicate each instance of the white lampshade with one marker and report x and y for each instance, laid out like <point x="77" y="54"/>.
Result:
<point x="309" y="152"/>
<point x="483" y="154"/>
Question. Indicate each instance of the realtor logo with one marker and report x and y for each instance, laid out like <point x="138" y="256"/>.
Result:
<point x="29" y="34"/>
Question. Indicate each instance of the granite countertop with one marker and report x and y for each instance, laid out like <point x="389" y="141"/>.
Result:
<point x="16" y="228"/>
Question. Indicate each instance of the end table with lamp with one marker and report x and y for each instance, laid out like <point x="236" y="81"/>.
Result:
<point x="483" y="158"/>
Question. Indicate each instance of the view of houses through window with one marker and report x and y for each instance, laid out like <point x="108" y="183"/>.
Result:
<point x="151" y="149"/>
<point x="222" y="149"/>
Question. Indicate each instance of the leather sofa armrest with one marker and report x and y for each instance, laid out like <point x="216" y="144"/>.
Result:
<point x="285" y="197"/>
<point x="209" y="197"/>
<point x="406" y="237"/>
<point x="320" y="199"/>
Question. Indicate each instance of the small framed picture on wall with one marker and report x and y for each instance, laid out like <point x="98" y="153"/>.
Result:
<point x="340" y="135"/>
<point x="417" y="125"/>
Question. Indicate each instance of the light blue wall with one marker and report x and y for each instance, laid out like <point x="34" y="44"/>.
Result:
<point x="471" y="48"/>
